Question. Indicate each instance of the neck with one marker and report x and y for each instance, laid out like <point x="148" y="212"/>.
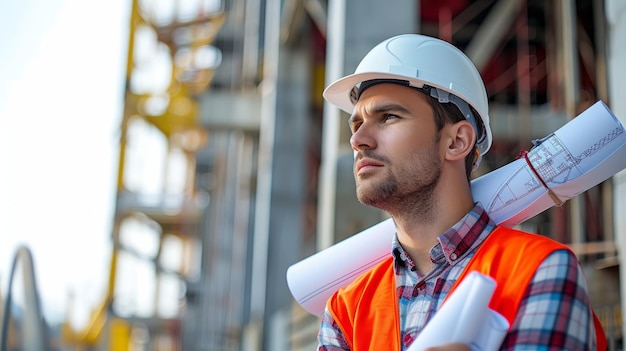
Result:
<point x="420" y="225"/>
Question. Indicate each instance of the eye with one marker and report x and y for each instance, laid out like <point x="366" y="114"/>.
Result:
<point x="388" y="116"/>
<point x="354" y="126"/>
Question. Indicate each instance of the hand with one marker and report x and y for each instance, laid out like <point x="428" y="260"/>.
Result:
<point x="450" y="347"/>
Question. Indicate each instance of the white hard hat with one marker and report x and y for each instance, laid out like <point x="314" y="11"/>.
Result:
<point x="421" y="60"/>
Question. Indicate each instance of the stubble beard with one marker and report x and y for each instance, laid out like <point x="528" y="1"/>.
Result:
<point x="414" y="198"/>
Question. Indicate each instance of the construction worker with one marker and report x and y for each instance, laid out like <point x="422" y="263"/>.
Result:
<point x="420" y="124"/>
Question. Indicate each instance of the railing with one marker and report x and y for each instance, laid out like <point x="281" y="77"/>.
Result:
<point x="33" y="328"/>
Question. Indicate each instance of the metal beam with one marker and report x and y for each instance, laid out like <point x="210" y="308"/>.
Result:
<point x="492" y="31"/>
<point x="318" y="14"/>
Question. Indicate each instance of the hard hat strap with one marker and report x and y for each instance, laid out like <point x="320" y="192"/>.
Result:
<point x="445" y="97"/>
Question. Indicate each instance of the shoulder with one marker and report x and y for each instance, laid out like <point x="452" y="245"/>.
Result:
<point x="370" y="279"/>
<point x="504" y="238"/>
<point x="561" y="265"/>
<point x="555" y="309"/>
<point x="373" y="284"/>
<point x="376" y="284"/>
<point x="513" y="258"/>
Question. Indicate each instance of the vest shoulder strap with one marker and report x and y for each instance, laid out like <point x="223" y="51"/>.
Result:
<point x="367" y="310"/>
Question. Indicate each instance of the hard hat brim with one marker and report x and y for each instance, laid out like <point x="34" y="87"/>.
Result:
<point x="338" y="92"/>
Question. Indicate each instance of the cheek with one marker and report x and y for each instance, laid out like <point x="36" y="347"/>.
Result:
<point x="409" y="143"/>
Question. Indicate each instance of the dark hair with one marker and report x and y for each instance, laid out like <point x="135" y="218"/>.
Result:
<point x="448" y="113"/>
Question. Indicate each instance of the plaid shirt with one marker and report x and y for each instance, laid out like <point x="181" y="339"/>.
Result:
<point x="554" y="313"/>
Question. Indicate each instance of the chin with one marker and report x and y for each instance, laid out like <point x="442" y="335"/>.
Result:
<point x="365" y="197"/>
<point x="373" y="197"/>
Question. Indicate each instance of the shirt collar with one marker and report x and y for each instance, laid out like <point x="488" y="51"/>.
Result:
<point x="455" y="243"/>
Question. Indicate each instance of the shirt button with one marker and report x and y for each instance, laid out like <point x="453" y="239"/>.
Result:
<point x="453" y="256"/>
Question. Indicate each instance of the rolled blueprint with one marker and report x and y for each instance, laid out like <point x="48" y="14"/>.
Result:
<point x="465" y="317"/>
<point x="578" y="156"/>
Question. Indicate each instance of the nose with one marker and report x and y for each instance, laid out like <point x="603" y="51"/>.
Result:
<point x="363" y="138"/>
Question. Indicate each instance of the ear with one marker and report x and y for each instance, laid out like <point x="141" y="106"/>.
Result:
<point x="460" y="139"/>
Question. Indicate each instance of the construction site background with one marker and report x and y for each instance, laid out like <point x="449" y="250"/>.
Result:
<point x="231" y="167"/>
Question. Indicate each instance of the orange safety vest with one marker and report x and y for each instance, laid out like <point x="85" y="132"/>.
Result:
<point x="367" y="310"/>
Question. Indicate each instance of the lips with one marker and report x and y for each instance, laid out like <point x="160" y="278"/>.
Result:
<point x="365" y="165"/>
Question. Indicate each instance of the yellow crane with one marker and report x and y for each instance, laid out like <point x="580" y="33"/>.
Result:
<point x="173" y="111"/>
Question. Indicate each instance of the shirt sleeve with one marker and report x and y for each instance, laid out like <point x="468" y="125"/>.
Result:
<point x="330" y="337"/>
<point x="555" y="313"/>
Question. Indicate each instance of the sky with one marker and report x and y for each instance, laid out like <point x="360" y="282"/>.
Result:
<point x="61" y="78"/>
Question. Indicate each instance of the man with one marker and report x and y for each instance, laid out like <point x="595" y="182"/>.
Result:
<point x="419" y="122"/>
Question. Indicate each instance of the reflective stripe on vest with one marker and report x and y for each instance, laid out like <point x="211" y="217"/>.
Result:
<point x="367" y="310"/>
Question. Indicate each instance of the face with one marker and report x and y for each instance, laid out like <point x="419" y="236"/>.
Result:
<point x="397" y="157"/>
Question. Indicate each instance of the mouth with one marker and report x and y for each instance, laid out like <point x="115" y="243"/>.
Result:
<point x="366" y="166"/>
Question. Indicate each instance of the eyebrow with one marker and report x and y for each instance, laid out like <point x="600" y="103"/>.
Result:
<point x="381" y="109"/>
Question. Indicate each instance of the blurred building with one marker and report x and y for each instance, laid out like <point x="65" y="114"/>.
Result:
<point x="231" y="168"/>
